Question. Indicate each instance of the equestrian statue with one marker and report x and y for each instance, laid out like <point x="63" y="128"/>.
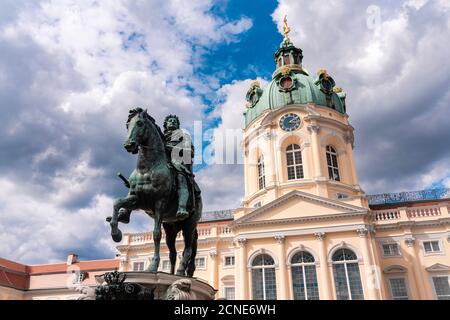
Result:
<point x="163" y="186"/>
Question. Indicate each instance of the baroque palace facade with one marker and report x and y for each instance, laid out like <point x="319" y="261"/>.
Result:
<point x="305" y="230"/>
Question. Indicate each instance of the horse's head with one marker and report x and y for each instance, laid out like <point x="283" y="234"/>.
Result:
<point x="137" y="130"/>
<point x="141" y="127"/>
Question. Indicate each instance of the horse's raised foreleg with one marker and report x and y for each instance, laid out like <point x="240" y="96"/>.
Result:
<point x="129" y="204"/>
<point x="171" y="238"/>
<point x="157" y="242"/>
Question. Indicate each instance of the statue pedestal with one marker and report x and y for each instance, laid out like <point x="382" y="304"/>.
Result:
<point x="149" y="286"/>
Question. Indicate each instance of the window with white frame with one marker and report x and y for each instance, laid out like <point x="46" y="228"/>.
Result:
<point x="138" y="266"/>
<point x="391" y="249"/>
<point x="261" y="174"/>
<point x="229" y="293"/>
<point x="304" y="277"/>
<point x="229" y="261"/>
<point x="294" y="162"/>
<point x="78" y="277"/>
<point x="431" y="246"/>
<point x="332" y="162"/>
<point x="347" y="278"/>
<point x="263" y="278"/>
<point x="441" y="287"/>
<point x="166" y="265"/>
<point x="200" y="262"/>
<point x="398" y="287"/>
<point x="341" y="196"/>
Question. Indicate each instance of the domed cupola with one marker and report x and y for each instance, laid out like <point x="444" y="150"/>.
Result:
<point x="291" y="84"/>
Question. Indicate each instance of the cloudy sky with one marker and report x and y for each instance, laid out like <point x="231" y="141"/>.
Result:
<point x="70" y="71"/>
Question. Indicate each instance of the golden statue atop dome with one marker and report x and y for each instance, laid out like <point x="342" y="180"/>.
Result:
<point x="286" y="29"/>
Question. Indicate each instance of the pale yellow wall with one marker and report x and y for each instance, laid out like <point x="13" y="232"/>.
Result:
<point x="10" y="294"/>
<point x="265" y="137"/>
<point x="303" y="223"/>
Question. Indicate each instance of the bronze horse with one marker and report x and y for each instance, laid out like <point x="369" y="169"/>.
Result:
<point x="153" y="189"/>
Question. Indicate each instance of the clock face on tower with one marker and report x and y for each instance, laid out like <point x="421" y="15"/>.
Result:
<point x="290" y="122"/>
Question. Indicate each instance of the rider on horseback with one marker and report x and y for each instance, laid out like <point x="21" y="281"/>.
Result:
<point x="180" y="151"/>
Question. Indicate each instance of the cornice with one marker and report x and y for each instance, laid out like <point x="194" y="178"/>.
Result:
<point x="147" y="245"/>
<point x="426" y="223"/>
<point x="336" y="216"/>
<point x="304" y="231"/>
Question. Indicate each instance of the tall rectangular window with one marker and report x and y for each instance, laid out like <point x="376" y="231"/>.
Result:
<point x="166" y="265"/>
<point x="332" y="162"/>
<point x="442" y="287"/>
<point x="261" y="174"/>
<point x="200" y="262"/>
<point x="398" y="288"/>
<point x="229" y="261"/>
<point x="294" y="162"/>
<point x="230" y="293"/>
<point x="391" y="250"/>
<point x="138" y="266"/>
<point x="431" y="246"/>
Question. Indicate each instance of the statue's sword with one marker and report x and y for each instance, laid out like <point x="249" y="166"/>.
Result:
<point x="193" y="188"/>
<point x="125" y="180"/>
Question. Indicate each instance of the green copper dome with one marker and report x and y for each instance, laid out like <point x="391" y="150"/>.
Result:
<point x="291" y="84"/>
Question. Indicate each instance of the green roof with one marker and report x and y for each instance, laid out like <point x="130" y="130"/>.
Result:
<point x="304" y="88"/>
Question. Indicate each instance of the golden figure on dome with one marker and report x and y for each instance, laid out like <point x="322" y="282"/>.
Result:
<point x="286" y="29"/>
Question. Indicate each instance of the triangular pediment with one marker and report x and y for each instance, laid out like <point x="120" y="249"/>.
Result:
<point x="297" y="205"/>
<point x="438" y="267"/>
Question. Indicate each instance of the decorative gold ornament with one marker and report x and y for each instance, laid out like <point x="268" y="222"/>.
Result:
<point x="286" y="30"/>
<point x="323" y="72"/>
<point x="285" y="70"/>
<point x="338" y="90"/>
<point x="255" y="84"/>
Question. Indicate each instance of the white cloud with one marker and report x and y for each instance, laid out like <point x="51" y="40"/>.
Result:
<point x="38" y="231"/>
<point x="70" y="71"/>
<point x="394" y="77"/>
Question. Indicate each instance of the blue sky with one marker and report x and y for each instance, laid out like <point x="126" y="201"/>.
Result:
<point x="70" y="71"/>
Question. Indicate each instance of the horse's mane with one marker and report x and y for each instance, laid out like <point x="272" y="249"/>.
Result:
<point x="136" y="111"/>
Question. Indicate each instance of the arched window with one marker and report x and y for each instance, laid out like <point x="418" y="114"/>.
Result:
<point x="347" y="279"/>
<point x="294" y="162"/>
<point x="333" y="168"/>
<point x="263" y="278"/>
<point x="304" y="277"/>
<point x="261" y="174"/>
<point x="287" y="59"/>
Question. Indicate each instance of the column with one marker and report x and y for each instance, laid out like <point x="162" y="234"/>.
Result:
<point x="314" y="130"/>
<point x="319" y="177"/>
<point x="370" y="270"/>
<point x="213" y="270"/>
<point x="324" y="280"/>
<point x="272" y="156"/>
<point x="241" y="272"/>
<point x="282" y="284"/>
<point x="416" y="268"/>
<point x="246" y="173"/>
<point x="349" y="150"/>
